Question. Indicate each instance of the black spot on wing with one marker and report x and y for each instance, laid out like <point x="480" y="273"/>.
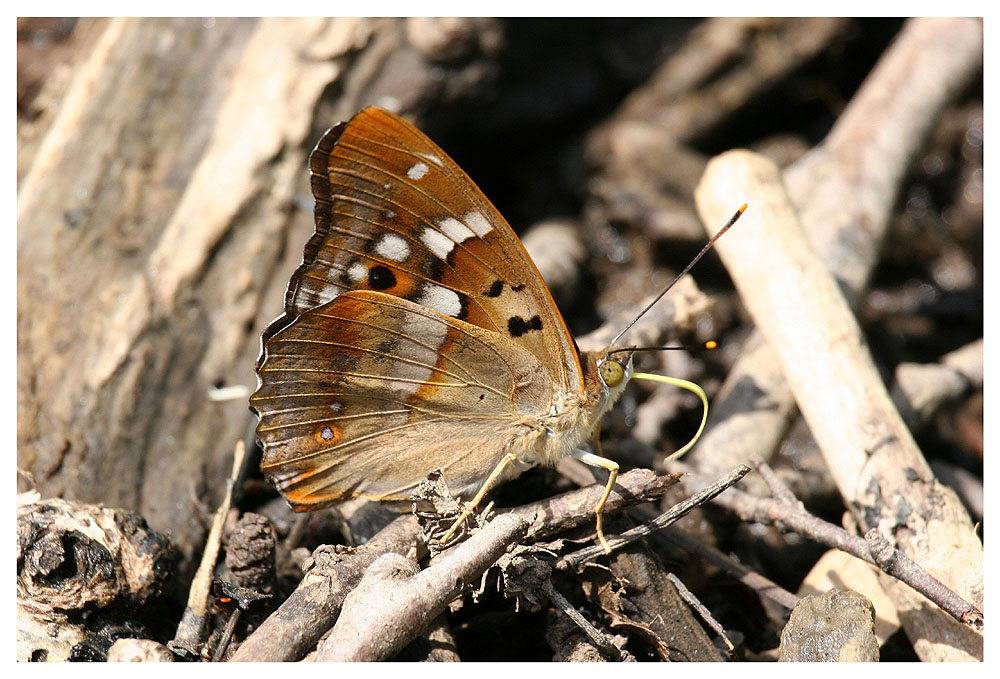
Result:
<point x="517" y="326"/>
<point x="433" y="268"/>
<point x="495" y="289"/>
<point x="464" y="311"/>
<point x="381" y="278"/>
<point x="518" y="288"/>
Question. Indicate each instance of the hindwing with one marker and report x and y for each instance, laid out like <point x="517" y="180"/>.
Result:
<point x="364" y="395"/>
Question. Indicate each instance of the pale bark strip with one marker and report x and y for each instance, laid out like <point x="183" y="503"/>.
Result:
<point x="922" y="389"/>
<point x="843" y="191"/>
<point x="881" y="473"/>
<point x="155" y="205"/>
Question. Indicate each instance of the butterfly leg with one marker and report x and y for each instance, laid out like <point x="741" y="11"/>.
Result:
<point x="509" y="458"/>
<point x="612" y="467"/>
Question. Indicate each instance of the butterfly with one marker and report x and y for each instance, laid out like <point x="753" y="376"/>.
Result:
<point x="418" y="335"/>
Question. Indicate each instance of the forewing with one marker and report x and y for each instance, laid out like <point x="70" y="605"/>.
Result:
<point x="396" y="215"/>
<point x="368" y="393"/>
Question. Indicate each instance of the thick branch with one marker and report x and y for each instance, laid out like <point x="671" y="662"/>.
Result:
<point x="870" y="453"/>
<point x="395" y="601"/>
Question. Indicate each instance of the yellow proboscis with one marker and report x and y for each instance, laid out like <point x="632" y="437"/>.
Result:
<point x="694" y="389"/>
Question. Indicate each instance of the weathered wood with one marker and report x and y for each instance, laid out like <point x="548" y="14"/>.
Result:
<point x="152" y="225"/>
<point x="872" y="456"/>
<point x="843" y="191"/>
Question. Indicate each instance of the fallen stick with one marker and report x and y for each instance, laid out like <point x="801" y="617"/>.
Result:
<point x="877" y="466"/>
<point x="844" y="191"/>
<point x="396" y="600"/>
<point x="190" y="630"/>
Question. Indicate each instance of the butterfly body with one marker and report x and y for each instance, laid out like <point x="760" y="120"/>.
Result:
<point x="417" y="335"/>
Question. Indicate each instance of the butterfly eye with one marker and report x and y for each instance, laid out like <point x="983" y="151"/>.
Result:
<point x="612" y="372"/>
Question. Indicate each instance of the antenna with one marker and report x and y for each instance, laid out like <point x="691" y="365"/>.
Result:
<point x="709" y="345"/>
<point x="732" y="220"/>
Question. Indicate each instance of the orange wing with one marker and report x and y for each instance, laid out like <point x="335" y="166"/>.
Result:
<point x="395" y="214"/>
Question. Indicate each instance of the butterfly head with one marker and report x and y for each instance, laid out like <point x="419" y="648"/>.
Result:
<point x="606" y="375"/>
<point x="614" y="371"/>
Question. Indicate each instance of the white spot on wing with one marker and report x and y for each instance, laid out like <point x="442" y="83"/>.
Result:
<point x="417" y="171"/>
<point x="479" y="224"/>
<point x="357" y="271"/>
<point x="437" y="242"/>
<point x="454" y="231"/>
<point x="393" y="246"/>
<point x="434" y="159"/>
<point x="458" y="231"/>
<point x="440" y="299"/>
<point x="431" y="334"/>
<point x="326" y="294"/>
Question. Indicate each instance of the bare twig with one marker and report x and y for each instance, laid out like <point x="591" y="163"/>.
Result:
<point x="752" y="579"/>
<point x="791" y="516"/>
<point x="844" y="191"/>
<point x="694" y="603"/>
<point x="311" y="610"/>
<point x="576" y="508"/>
<point x="595" y="635"/>
<point x="574" y="560"/>
<point x="657" y="613"/>
<point x="898" y="565"/>
<point x="903" y="97"/>
<point x="854" y="178"/>
<point x="227" y="635"/>
<point x="775" y="484"/>
<point x="188" y="638"/>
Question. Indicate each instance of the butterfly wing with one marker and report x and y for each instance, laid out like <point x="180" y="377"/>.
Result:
<point x="368" y="393"/>
<point x="396" y="215"/>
